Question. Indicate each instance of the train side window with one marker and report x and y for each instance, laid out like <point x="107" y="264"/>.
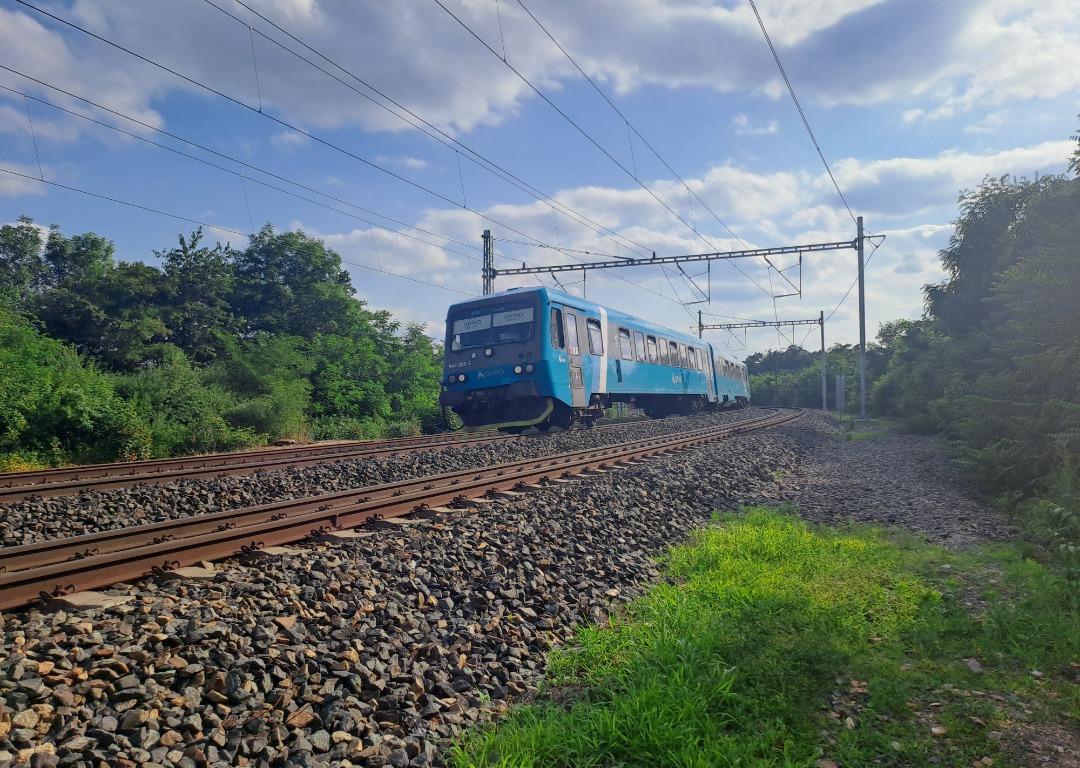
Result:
<point x="639" y="345"/>
<point x="650" y="348"/>
<point x="673" y="353"/>
<point x="571" y="334"/>
<point x="663" y="351"/>
<point x="557" y="341"/>
<point x="682" y="356"/>
<point x="596" y="337"/>
<point x="626" y="348"/>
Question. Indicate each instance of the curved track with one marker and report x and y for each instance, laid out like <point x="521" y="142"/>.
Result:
<point x="63" y="566"/>
<point x="47" y="483"/>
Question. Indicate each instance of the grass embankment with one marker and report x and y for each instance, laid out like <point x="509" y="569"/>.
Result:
<point x="775" y="644"/>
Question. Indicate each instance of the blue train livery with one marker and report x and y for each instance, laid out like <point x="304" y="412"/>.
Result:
<point x="538" y="357"/>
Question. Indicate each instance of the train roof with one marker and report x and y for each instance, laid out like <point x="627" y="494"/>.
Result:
<point x="614" y="315"/>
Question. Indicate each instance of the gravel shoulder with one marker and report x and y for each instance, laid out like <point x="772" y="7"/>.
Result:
<point x="907" y="481"/>
<point x="372" y="651"/>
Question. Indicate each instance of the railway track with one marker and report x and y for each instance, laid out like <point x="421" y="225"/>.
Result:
<point x="49" y="483"/>
<point x="55" y="568"/>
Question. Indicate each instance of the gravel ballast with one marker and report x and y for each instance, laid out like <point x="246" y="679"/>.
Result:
<point x="371" y="651"/>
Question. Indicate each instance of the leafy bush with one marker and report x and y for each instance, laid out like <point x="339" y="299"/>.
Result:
<point x="57" y="408"/>
<point x="183" y="412"/>
<point x="343" y="428"/>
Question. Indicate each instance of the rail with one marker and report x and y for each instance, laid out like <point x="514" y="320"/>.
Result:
<point x="51" y="569"/>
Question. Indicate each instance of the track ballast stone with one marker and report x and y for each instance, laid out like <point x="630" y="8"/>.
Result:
<point x="373" y="651"/>
<point x="36" y="519"/>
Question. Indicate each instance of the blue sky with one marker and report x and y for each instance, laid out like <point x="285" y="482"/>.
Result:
<point x="910" y="101"/>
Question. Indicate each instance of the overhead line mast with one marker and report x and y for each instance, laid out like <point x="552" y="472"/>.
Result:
<point x="778" y="324"/>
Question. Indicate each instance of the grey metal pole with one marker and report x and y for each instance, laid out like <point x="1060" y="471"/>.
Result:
<point x="489" y="264"/>
<point x="824" y="397"/>
<point x="862" y="323"/>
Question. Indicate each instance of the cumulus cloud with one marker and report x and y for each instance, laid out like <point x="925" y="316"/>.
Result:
<point x="744" y="128"/>
<point x="20" y="180"/>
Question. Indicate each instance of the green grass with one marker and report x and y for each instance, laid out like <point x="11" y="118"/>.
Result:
<point x="851" y="437"/>
<point x="775" y="644"/>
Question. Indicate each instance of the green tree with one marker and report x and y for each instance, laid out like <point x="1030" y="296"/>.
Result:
<point x="199" y="281"/>
<point x="291" y="284"/>
<point x="22" y="268"/>
<point x="56" y="406"/>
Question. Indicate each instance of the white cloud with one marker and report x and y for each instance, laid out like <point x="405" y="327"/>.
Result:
<point x="287" y="141"/>
<point x="388" y="251"/>
<point x="413" y="163"/>
<point x="22" y="180"/>
<point x="976" y="52"/>
<point x="744" y="128"/>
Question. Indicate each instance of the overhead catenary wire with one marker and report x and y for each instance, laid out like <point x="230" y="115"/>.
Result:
<point x="630" y="127"/>
<point x="242" y="177"/>
<point x="410" y="117"/>
<point x="582" y="131"/>
<point x="798" y="106"/>
<point x="596" y="144"/>
<point x="239" y="162"/>
<point x="216" y="227"/>
<point x="279" y="121"/>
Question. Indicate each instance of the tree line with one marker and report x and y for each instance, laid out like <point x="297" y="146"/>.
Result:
<point x="215" y="349"/>
<point x="994" y="363"/>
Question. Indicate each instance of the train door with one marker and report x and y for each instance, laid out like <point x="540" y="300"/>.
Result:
<point x="686" y="361"/>
<point x="573" y="349"/>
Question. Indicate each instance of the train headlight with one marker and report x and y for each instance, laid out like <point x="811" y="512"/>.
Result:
<point x="529" y="368"/>
<point x="461" y="377"/>
<point x="488" y="351"/>
<point x="518" y="369"/>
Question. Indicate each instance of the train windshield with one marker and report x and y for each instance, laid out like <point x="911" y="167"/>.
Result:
<point x="478" y="326"/>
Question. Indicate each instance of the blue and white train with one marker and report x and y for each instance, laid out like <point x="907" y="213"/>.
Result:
<point x="537" y="357"/>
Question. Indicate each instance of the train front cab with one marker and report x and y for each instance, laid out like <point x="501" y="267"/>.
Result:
<point x="514" y="360"/>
